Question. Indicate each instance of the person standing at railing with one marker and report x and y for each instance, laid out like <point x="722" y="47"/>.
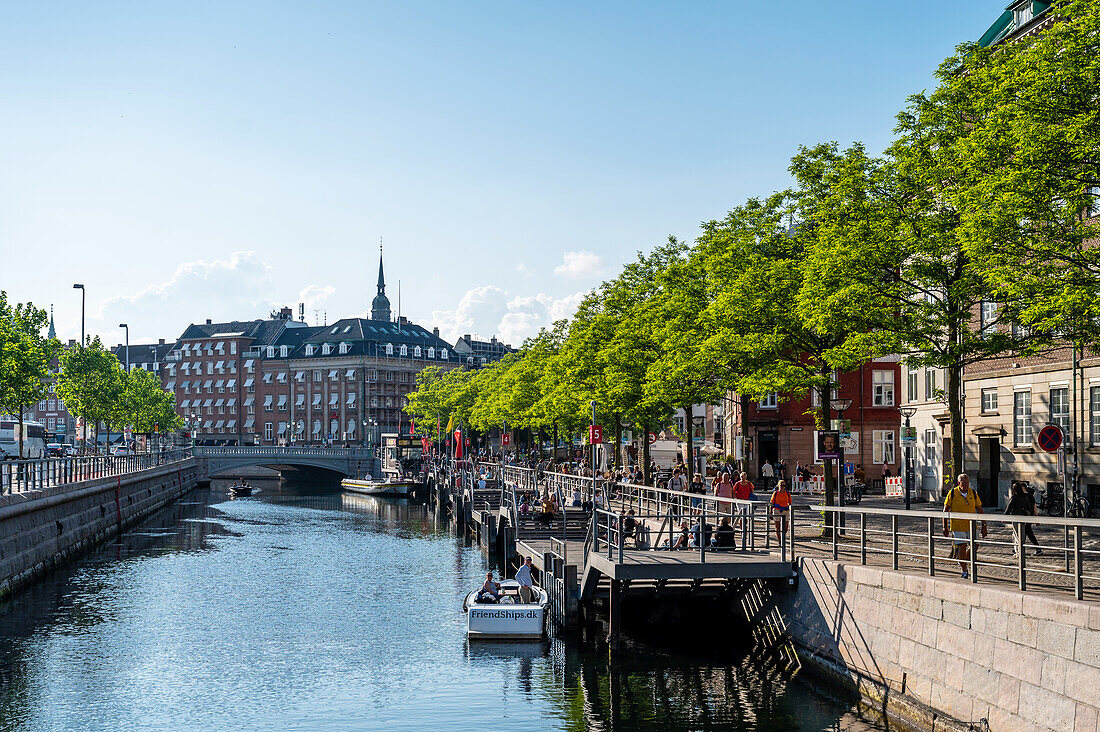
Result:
<point x="698" y="489"/>
<point x="961" y="499"/>
<point x="526" y="581"/>
<point x="781" y="508"/>
<point x="1022" y="504"/>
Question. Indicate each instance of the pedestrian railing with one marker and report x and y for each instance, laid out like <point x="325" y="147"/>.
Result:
<point x="18" y="476"/>
<point x="911" y="539"/>
<point x="288" y="451"/>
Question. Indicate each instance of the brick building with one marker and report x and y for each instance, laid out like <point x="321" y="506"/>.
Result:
<point x="771" y="429"/>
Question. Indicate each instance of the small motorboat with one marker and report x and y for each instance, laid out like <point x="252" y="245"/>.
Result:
<point x="507" y="618"/>
<point x="240" y="489"/>
<point x="378" y="488"/>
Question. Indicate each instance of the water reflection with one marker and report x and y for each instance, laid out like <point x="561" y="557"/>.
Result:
<point x="303" y="608"/>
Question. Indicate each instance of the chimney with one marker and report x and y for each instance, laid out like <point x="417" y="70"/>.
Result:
<point x="435" y="332"/>
<point x="160" y="342"/>
<point x="302" y="312"/>
<point x="466" y="337"/>
<point x="286" y="313"/>
<point x="72" y="341"/>
<point x="493" y="340"/>
<point x="208" y="321"/>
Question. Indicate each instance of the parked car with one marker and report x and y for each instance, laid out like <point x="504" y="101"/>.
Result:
<point x="55" y="449"/>
<point x="121" y="450"/>
<point x="71" y="451"/>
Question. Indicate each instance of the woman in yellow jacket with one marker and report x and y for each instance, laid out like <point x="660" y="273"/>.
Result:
<point x="781" y="507"/>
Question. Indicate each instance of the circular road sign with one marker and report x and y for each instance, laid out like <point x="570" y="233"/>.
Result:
<point x="1050" y="438"/>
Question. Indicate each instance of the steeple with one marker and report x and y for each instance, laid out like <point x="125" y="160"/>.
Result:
<point x="52" y="334"/>
<point x="380" y="308"/>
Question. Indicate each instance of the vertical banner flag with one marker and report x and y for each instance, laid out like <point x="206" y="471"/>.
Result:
<point x="458" y="444"/>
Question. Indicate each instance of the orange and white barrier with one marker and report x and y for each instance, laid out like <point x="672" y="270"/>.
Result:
<point x="815" y="486"/>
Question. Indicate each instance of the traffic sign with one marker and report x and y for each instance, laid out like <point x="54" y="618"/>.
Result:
<point x="1050" y="438"/>
<point x="652" y="437"/>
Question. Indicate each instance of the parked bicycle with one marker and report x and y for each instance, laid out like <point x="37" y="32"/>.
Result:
<point x="1050" y="500"/>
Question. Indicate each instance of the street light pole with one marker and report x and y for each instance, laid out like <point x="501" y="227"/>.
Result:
<point x="81" y="288"/>
<point x="908" y="412"/>
<point x="127" y="328"/>
<point x="593" y="446"/>
<point x="841" y="405"/>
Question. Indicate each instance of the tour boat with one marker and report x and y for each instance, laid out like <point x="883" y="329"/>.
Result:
<point x="508" y="618"/>
<point x="383" y="488"/>
<point x="240" y="489"/>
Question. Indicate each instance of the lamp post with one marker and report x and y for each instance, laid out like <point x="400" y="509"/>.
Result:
<point x="127" y="329"/>
<point x="908" y="412"/>
<point x="699" y="422"/>
<point x="81" y="288"/>
<point x="841" y="405"/>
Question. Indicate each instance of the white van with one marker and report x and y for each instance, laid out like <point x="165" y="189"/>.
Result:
<point x="34" y="440"/>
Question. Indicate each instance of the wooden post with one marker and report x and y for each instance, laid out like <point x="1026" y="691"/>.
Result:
<point x="614" y="615"/>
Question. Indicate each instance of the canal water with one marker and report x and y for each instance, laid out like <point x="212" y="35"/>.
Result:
<point x="304" y="609"/>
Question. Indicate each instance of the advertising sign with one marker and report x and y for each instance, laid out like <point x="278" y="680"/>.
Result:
<point x="828" y="445"/>
<point x="595" y="434"/>
<point x="506" y="620"/>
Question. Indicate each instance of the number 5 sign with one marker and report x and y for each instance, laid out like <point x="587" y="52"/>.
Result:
<point x="595" y="434"/>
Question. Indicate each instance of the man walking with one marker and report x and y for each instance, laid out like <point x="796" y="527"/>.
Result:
<point x="961" y="499"/>
<point x="526" y="582"/>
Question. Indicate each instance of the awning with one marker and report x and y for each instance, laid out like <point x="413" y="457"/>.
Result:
<point x="220" y="383"/>
<point x="219" y="403"/>
<point x="267" y="378"/>
<point x="299" y="375"/>
<point x="231" y="424"/>
<point x="249" y="423"/>
<point x="351" y="400"/>
<point x="332" y="374"/>
<point x="248" y="383"/>
<point x="282" y="428"/>
<point x="220" y="423"/>
<point x="268" y="400"/>
<point x="248" y="363"/>
<point x="332" y="400"/>
<point x="197" y="366"/>
<point x="231" y="384"/>
<point x="282" y="376"/>
<point x="351" y="426"/>
<point x="185" y="385"/>
<point x="249" y="401"/>
<point x="300" y="401"/>
<point x="206" y="425"/>
<point x="209" y="384"/>
<point x="220" y="365"/>
<point x="186" y="403"/>
<point x="316" y="426"/>
<point x="170" y="385"/>
<point x="230" y="402"/>
<point x="282" y="401"/>
<point x="208" y="402"/>
<point x="316" y="400"/>
<point x="351" y="373"/>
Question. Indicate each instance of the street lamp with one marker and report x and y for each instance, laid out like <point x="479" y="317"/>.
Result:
<point x="908" y="412"/>
<point x="127" y="328"/>
<point x="841" y="405"/>
<point x="81" y="288"/>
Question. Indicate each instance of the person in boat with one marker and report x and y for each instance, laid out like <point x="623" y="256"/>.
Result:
<point x="490" y="589"/>
<point x="526" y="582"/>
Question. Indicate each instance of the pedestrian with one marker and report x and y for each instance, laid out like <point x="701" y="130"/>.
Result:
<point x="698" y="489"/>
<point x="744" y="490"/>
<point x="886" y="472"/>
<point x="1022" y="504"/>
<point x="766" y="470"/>
<point x="526" y="582"/>
<point x="781" y="469"/>
<point x="961" y="499"/>
<point x="781" y="508"/>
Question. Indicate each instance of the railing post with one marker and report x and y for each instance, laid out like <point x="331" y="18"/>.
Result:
<point x="702" y="538"/>
<point x="973" y="550"/>
<point x="835" y="534"/>
<point x="790" y="521"/>
<point x="862" y="538"/>
<point x="1021" y="562"/>
<point x="894" y="541"/>
<point x="931" y="547"/>
<point x="1078" y="583"/>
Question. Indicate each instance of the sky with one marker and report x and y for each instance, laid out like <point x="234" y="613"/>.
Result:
<point x="217" y="160"/>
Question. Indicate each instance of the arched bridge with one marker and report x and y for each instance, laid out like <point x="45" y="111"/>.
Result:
<point x="349" y="461"/>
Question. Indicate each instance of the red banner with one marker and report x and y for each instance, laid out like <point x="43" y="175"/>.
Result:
<point x="458" y="444"/>
<point x="595" y="434"/>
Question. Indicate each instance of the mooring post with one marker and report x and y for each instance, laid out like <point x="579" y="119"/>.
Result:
<point x="614" y="615"/>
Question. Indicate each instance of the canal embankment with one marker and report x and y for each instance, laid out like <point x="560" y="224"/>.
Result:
<point x="943" y="653"/>
<point x="40" y="529"/>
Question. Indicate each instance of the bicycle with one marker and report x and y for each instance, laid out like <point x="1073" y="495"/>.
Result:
<point x="1050" y="500"/>
<point x="1078" y="508"/>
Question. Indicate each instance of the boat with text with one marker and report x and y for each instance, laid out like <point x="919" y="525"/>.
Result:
<point x="506" y="618"/>
<point x="394" y="487"/>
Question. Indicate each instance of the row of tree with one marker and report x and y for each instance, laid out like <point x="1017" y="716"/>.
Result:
<point x="87" y="377"/>
<point x="970" y="237"/>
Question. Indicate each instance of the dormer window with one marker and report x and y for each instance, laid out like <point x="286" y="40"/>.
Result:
<point x="271" y="351"/>
<point x="326" y="349"/>
<point x="343" y="348"/>
<point x="389" y="349"/>
<point x="416" y="352"/>
<point x="469" y="360"/>
<point x="1023" y="14"/>
<point x="309" y="349"/>
<point x="282" y="351"/>
<point x="443" y="354"/>
<point x="404" y="350"/>
<point x="431" y="352"/>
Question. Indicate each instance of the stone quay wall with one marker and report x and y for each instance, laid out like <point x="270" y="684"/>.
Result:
<point x="943" y="653"/>
<point x="40" y="530"/>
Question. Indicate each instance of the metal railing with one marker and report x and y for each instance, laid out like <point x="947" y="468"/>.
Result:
<point x="18" y="476"/>
<point x="911" y="538"/>
<point x="288" y="451"/>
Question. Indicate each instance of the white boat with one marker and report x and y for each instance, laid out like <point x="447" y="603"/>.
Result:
<point x="376" y="488"/>
<point x="507" y="619"/>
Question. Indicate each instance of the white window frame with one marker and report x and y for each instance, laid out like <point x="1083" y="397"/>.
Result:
<point x="1059" y="400"/>
<point x="882" y="381"/>
<point x="1021" y="418"/>
<point x="884" y="444"/>
<point x="770" y="401"/>
<point x="990" y="400"/>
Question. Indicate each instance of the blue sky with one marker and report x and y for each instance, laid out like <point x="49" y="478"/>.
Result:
<point x="218" y="159"/>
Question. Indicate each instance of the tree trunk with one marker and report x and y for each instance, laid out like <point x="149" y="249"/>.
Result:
<point x="554" y="447"/>
<point x="830" y="478"/>
<point x="21" y="432"/>
<point x="955" y="410"/>
<point x="645" y="453"/>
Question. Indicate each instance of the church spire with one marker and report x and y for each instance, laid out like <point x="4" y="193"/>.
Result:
<point x="380" y="307"/>
<point x="52" y="334"/>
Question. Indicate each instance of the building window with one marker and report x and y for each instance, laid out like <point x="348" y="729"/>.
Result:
<point x="989" y="401"/>
<point x="988" y="318"/>
<point x="929" y="384"/>
<point x="1093" y="208"/>
<point x="884" y="388"/>
<point x="416" y="352"/>
<point x="911" y="387"/>
<point x="389" y="376"/>
<point x="1059" y="408"/>
<point x="373" y="375"/>
<point x="405" y="376"/>
<point x="317" y="375"/>
<point x="883" y="442"/>
<point x="930" y="447"/>
<point x="232" y="348"/>
<point x="343" y="347"/>
<point x="443" y="354"/>
<point x="389" y="349"/>
<point x="1021" y="418"/>
<point x="431" y="352"/>
<point x="404" y="350"/>
<point x="268" y="402"/>
<point x="770" y="401"/>
<point x="1023" y="14"/>
<point x="269" y="431"/>
<point x="1094" y="415"/>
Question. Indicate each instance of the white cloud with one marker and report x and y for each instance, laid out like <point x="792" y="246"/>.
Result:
<point x="579" y="265"/>
<point x="236" y="288"/>
<point x="315" y="295"/>
<point x="489" y="311"/>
